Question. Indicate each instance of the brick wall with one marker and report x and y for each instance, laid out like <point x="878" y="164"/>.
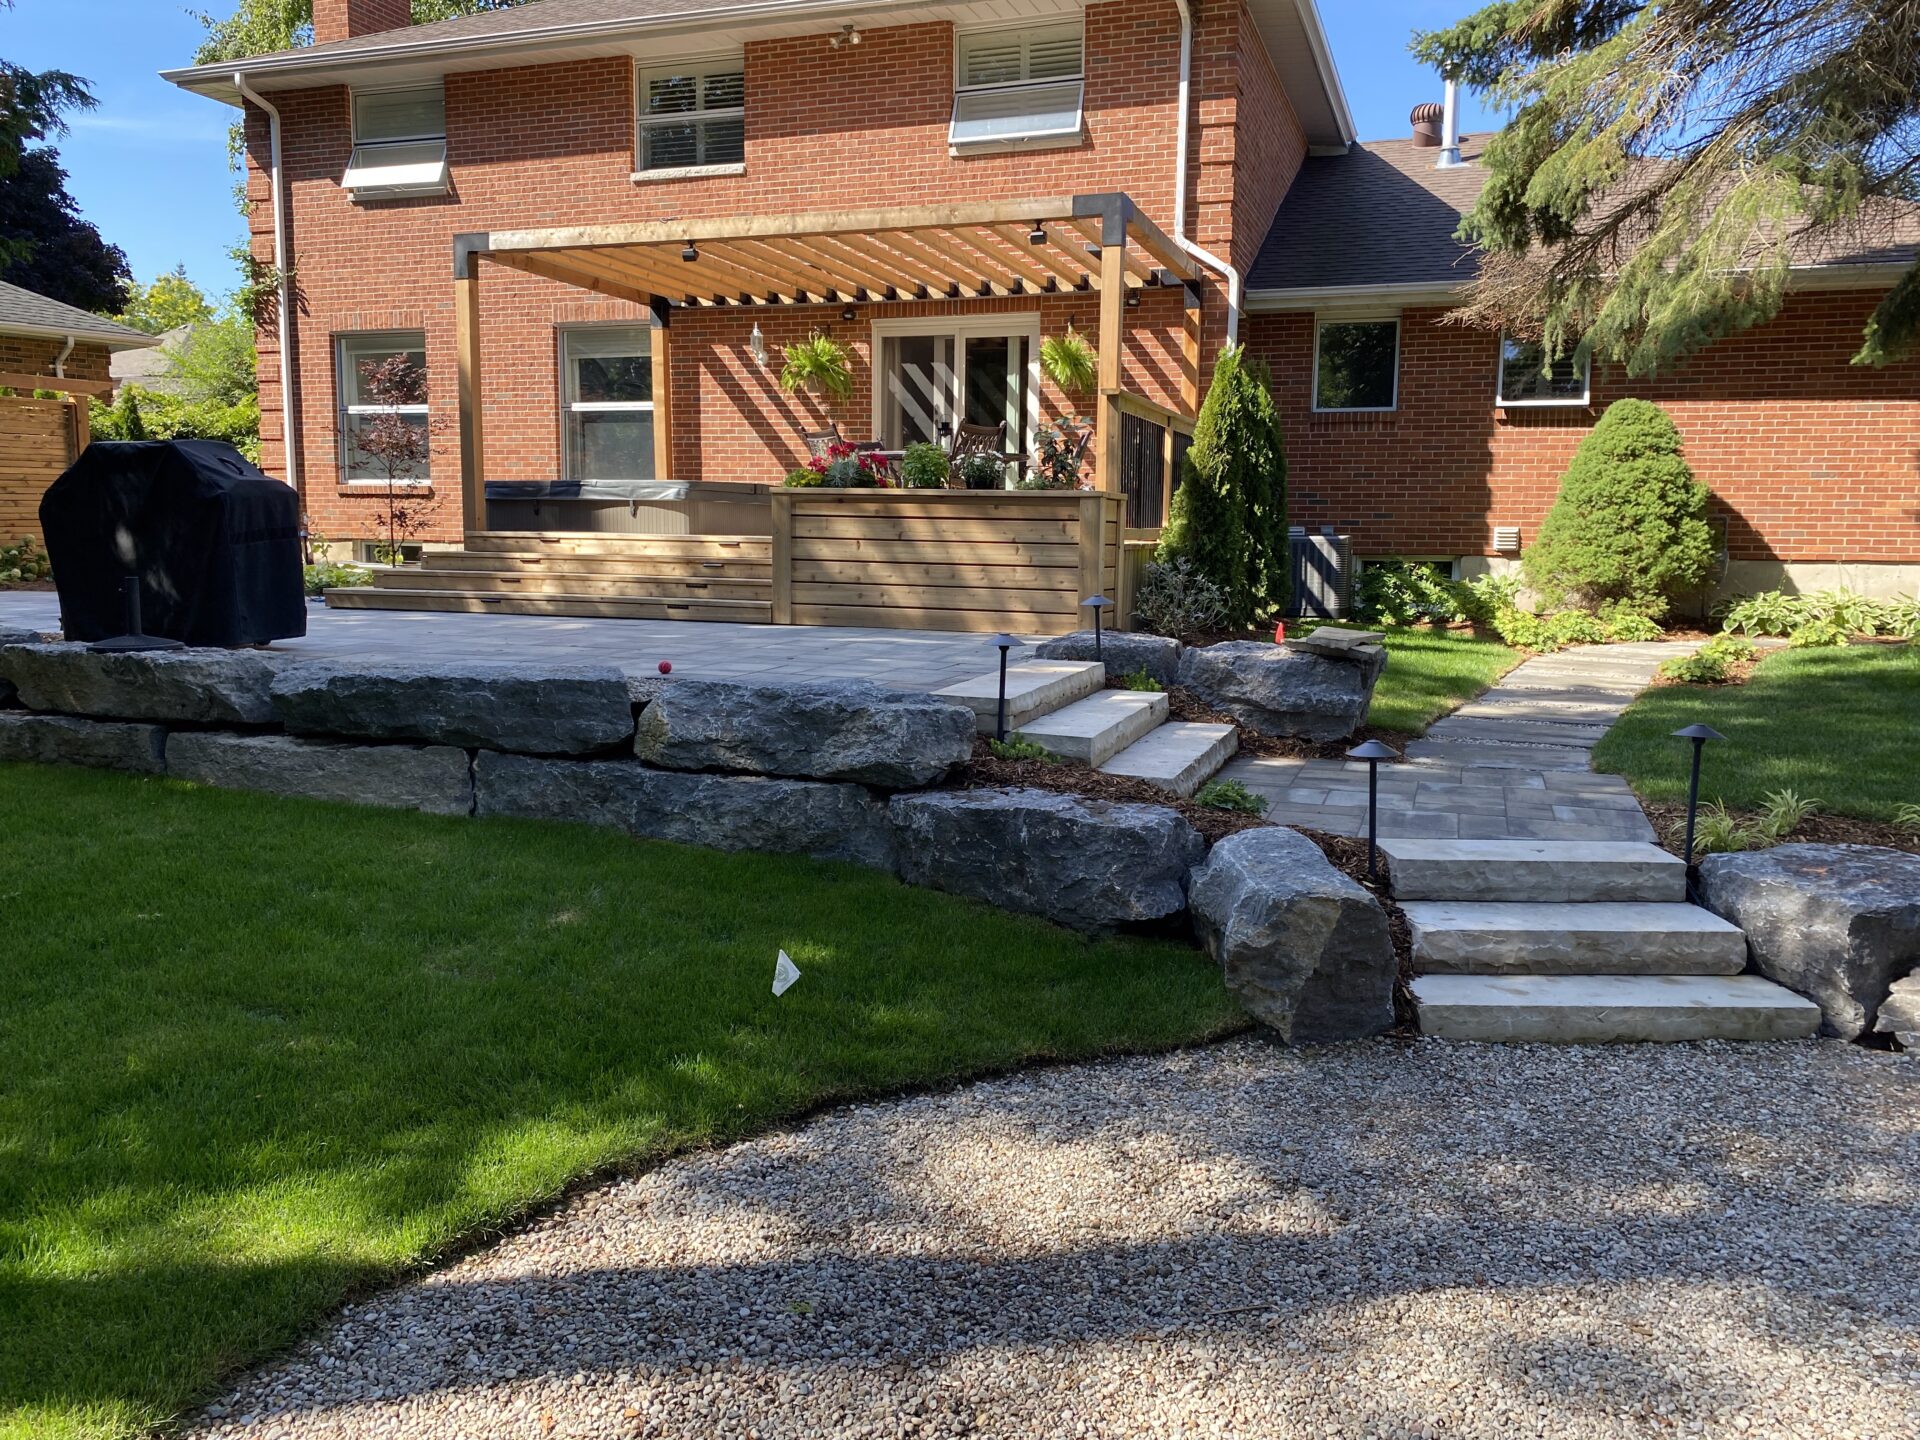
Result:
<point x="1809" y="458"/>
<point x="861" y="126"/>
<point x="27" y="355"/>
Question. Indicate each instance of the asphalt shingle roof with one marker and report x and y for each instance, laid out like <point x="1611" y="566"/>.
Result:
<point x="29" y="312"/>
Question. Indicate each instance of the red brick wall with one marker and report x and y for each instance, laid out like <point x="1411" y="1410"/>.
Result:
<point x="1268" y="148"/>
<point x="27" y="355"/>
<point x="859" y="126"/>
<point x="1809" y="458"/>
<point x="341" y="19"/>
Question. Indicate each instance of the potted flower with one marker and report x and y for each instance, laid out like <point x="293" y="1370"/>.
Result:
<point x="1059" y="456"/>
<point x="843" y="467"/>
<point x="924" y="466"/>
<point x="1070" y="362"/>
<point x="819" y="365"/>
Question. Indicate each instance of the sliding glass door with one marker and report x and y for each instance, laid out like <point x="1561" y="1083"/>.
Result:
<point x="974" y="370"/>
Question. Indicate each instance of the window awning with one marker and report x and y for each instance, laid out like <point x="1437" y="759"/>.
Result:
<point x="394" y="171"/>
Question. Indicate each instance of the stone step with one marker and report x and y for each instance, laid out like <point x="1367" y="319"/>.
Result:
<point x="1560" y="706"/>
<point x="1099" y="727"/>
<point x="1034" y="688"/>
<point x="1454" y="937"/>
<point x="1595" y="1009"/>
<point x="1180" y="756"/>
<point x="1563" y="871"/>
<point x="1513" y="729"/>
<point x="1501" y="755"/>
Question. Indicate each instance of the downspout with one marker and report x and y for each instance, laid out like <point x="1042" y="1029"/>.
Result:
<point x="289" y="429"/>
<point x="1180" y="145"/>
<point x="60" y="360"/>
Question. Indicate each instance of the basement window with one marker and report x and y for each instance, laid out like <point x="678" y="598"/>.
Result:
<point x="1011" y="86"/>
<point x="693" y="116"/>
<point x="1528" y="377"/>
<point x="1356" y="365"/>
<point x="399" y="144"/>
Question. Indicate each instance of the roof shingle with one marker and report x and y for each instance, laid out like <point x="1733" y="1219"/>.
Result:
<point x="31" y="313"/>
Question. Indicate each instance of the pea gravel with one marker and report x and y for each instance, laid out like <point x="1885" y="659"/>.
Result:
<point x="1373" y="1241"/>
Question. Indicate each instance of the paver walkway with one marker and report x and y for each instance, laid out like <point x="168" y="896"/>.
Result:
<point x="910" y="659"/>
<point x="1510" y="765"/>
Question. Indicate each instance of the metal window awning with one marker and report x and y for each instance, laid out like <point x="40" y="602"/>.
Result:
<point x="992" y="249"/>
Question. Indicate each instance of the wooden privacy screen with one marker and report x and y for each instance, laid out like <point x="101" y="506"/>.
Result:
<point x="979" y="560"/>
<point x="38" y="440"/>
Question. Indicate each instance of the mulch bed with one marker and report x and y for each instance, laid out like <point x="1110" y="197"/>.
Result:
<point x="1669" y="822"/>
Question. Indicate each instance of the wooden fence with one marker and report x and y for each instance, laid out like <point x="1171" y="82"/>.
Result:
<point x="38" y="440"/>
<point x="976" y="560"/>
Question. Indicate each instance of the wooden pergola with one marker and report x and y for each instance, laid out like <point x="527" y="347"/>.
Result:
<point x="1099" y="244"/>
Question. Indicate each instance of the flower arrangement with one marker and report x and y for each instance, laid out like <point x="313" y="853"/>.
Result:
<point x="924" y="466"/>
<point x="978" y="470"/>
<point x="1059" y="457"/>
<point x="843" y="467"/>
<point x="818" y="364"/>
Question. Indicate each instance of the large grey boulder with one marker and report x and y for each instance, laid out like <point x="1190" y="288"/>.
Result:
<point x="551" y="710"/>
<point x="1088" y="864"/>
<point x="721" y="812"/>
<point x="67" y="740"/>
<point x="189" y="687"/>
<point x="1900" y="1013"/>
<point x="1124" y="653"/>
<point x="827" y="730"/>
<point x="1279" y="690"/>
<point x="1304" y="948"/>
<point x="434" y="778"/>
<point x="1837" y="923"/>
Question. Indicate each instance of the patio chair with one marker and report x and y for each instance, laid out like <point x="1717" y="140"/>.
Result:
<point x="819" y="444"/>
<point x="975" y="440"/>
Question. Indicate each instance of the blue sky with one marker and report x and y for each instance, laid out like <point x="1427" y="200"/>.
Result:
<point x="149" y="167"/>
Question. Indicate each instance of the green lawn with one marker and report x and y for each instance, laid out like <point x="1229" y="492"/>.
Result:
<point x="256" y="1054"/>
<point x="1839" y="726"/>
<point x="1430" y="672"/>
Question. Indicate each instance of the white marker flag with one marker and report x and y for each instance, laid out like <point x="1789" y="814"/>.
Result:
<point x="785" y="972"/>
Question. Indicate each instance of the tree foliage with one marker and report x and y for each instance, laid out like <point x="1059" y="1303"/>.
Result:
<point x="172" y="300"/>
<point x="257" y="27"/>
<point x="1628" y="533"/>
<point x="1229" y="516"/>
<point x="47" y="247"/>
<point x="1668" y="162"/>
<point x="211" y="394"/>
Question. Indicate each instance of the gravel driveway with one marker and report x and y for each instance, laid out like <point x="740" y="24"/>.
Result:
<point x="1370" y="1241"/>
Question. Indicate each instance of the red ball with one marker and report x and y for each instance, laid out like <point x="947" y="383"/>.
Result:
<point x="666" y="667"/>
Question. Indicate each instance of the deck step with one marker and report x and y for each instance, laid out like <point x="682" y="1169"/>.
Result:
<point x="1593" y="1009"/>
<point x="1605" y="938"/>
<point x="1563" y="871"/>
<point x="618" y="546"/>
<point x="1034" y="688"/>
<point x="618" y="607"/>
<point x="1099" y="727"/>
<point x="1179" y="756"/>
<point x="448" y="563"/>
<point x="560" y="582"/>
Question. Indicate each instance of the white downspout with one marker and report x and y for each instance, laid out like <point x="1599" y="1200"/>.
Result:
<point x="289" y="428"/>
<point x="60" y="360"/>
<point x="1211" y="261"/>
<point x="1450" y="130"/>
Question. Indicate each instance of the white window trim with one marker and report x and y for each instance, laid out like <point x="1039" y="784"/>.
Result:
<point x="1551" y="402"/>
<point x="698" y="65"/>
<point x="366" y="153"/>
<point x="569" y="405"/>
<point x="1061" y="137"/>
<point x="1320" y="322"/>
<point x="343" y="361"/>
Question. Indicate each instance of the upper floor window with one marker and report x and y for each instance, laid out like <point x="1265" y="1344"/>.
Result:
<point x="1528" y="377"/>
<point x="383" y="401"/>
<point x="1356" y="364"/>
<point x="692" y="115"/>
<point x="399" y="143"/>
<point x="1014" y="85"/>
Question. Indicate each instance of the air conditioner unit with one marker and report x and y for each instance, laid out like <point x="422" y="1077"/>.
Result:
<point x="1322" y="567"/>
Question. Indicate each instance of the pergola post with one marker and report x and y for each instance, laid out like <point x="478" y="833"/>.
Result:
<point x="662" y="353"/>
<point x="1190" y="351"/>
<point x="466" y="340"/>
<point x="1113" y="312"/>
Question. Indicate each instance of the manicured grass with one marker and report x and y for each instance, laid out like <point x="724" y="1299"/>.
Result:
<point x="1839" y="726"/>
<point x="256" y="1054"/>
<point x="1430" y="672"/>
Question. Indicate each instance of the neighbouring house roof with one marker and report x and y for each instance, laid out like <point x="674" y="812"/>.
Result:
<point x="149" y="367"/>
<point x="27" y="312"/>
<point x="550" y="30"/>
<point x="1381" y="218"/>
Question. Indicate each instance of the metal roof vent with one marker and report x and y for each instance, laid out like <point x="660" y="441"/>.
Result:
<point x="1426" y="125"/>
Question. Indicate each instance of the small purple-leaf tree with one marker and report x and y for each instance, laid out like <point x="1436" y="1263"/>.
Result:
<point x="398" y="442"/>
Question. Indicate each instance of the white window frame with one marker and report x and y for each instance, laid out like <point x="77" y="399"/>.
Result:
<point x="350" y="346"/>
<point x="699" y="67"/>
<point x="1550" y="402"/>
<point x="397" y="167"/>
<point x="572" y="404"/>
<point x="1056" y="135"/>
<point x="1320" y="322"/>
<point x="1023" y="325"/>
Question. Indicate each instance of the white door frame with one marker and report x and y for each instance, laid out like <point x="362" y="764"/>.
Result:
<point x="1020" y="324"/>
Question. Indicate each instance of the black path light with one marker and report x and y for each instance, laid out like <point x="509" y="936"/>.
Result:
<point x="1004" y="643"/>
<point x="1373" y="752"/>
<point x="1699" y="735"/>
<point x="136" y="639"/>
<point x="1097" y="604"/>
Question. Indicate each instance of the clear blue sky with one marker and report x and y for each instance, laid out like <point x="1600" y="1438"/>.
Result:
<point x="149" y="167"/>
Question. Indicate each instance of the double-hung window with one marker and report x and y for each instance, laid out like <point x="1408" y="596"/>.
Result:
<point x="399" y="143"/>
<point x="1528" y="377"/>
<point x="1017" y="85"/>
<point x="1356" y="365"/>
<point x="385" y="404"/>
<point x="692" y="116"/>
<point x="607" y="400"/>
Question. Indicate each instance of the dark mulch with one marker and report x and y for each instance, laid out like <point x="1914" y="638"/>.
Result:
<point x="1814" y="830"/>
<point x="42" y="585"/>
<point x="986" y="770"/>
<point x="1185" y="705"/>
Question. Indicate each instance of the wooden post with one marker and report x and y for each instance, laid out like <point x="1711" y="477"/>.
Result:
<point x="1190" y="353"/>
<point x="82" y="419"/>
<point x="782" y="555"/>
<point x="1113" y="303"/>
<point x="662" y="391"/>
<point x="473" y="448"/>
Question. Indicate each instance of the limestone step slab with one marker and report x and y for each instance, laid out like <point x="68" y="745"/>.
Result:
<point x="1514" y="730"/>
<point x="1564" y="871"/>
<point x="1453" y="937"/>
<point x="1597" y="1009"/>
<point x="1099" y="727"/>
<point x="1499" y="755"/>
<point x="1034" y="688"/>
<point x="1180" y="756"/>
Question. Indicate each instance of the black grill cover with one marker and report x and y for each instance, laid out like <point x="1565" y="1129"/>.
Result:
<point x="216" y="544"/>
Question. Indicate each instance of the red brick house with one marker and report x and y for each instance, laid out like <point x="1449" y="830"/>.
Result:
<point x="597" y="224"/>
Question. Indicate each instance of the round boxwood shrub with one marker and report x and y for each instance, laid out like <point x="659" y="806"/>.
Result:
<point x="1629" y="530"/>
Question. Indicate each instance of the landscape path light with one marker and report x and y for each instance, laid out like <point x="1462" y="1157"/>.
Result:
<point x="1699" y="735"/>
<point x="1097" y="604"/>
<point x="1003" y="643"/>
<point x="1373" y="752"/>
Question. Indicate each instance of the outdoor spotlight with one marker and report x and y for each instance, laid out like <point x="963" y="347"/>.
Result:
<point x="757" y="345"/>
<point x="1097" y="604"/>
<point x="1133" y="300"/>
<point x="1699" y="735"/>
<point x="1037" y="235"/>
<point x="1373" y="752"/>
<point x="847" y="313"/>
<point x="1003" y="643"/>
<point x="689" y="254"/>
<point x="849" y="35"/>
